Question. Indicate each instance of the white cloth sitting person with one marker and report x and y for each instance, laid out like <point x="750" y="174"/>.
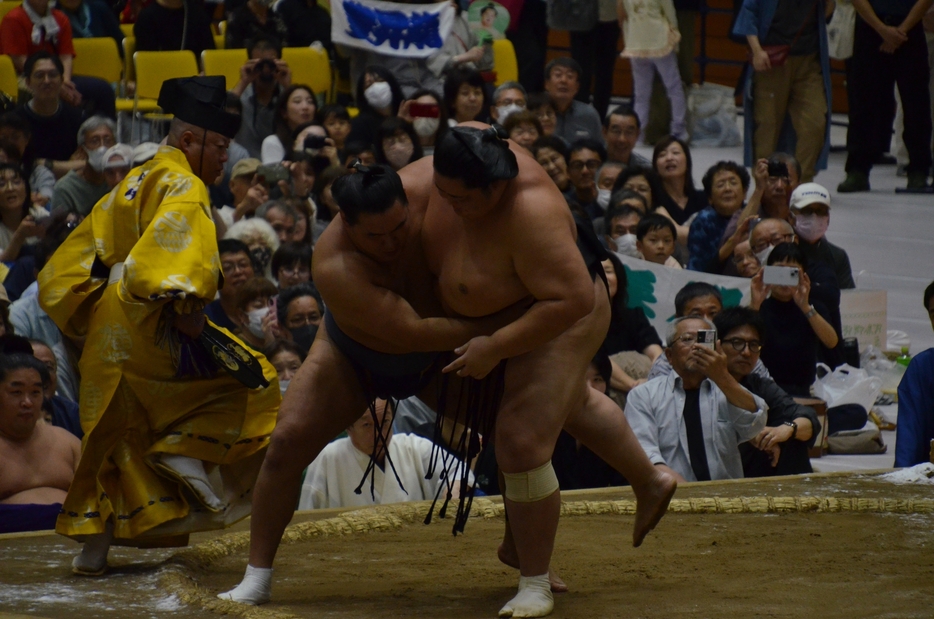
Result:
<point x="333" y="477"/>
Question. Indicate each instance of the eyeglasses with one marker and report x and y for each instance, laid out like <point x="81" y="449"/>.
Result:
<point x="739" y="344"/>
<point x="592" y="164"/>
<point x="97" y="141"/>
<point x="686" y="339"/>
<point x="774" y="240"/>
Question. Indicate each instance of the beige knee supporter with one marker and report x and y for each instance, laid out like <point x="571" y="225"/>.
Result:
<point x="531" y="486"/>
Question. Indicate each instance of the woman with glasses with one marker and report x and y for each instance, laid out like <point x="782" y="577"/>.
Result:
<point x="291" y="264"/>
<point x="20" y="224"/>
<point x="542" y="105"/>
<point x="781" y="448"/>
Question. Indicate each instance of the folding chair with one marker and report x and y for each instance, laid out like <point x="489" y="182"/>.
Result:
<point x="98" y="57"/>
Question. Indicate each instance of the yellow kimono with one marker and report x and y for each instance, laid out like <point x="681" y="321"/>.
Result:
<point x="133" y="404"/>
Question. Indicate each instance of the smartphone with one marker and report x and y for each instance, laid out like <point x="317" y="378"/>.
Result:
<point x="780" y="276"/>
<point x="424" y="110"/>
<point x="314" y="142"/>
<point x="707" y="338"/>
<point x="272" y="174"/>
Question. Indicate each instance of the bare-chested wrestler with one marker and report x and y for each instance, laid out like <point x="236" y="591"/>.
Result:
<point x="37" y="460"/>
<point x="348" y="252"/>
<point x="497" y="232"/>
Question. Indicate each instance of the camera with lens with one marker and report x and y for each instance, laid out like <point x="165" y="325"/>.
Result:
<point x="266" y="68"/>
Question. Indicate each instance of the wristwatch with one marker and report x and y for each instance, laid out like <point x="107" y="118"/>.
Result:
<point x="794" y="428"/>
<point x="811" y="312"/>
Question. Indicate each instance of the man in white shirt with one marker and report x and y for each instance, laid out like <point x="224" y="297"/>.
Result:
<point x="333" y="477"/>
<point x="691" y="422"/>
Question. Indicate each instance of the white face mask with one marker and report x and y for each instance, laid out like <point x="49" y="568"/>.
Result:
<point x="399" y="155"/>
<point x="764" y="255"/>
<point x="626" y="245"/>
<point x="96" y="158"/>
<point x="379" y="95"/>
<point x="283" y="385"/>
<point x="426" y="127"/>
<point x="255" y="324"/>
<point x="603" y="198"/>
<point x="812" y="227"/>
<point x="505" y="111"/>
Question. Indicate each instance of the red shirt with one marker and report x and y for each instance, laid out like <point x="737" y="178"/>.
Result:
<point x="16" y="35"/>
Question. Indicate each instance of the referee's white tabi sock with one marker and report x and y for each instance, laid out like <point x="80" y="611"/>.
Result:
<point x="192" y="473"/>
<point x="254" y="589"/>
<point x="93" y="558"/>
<point x="533" y="600"/>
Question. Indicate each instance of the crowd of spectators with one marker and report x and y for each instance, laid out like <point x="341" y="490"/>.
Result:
<point x="60" y="155"/>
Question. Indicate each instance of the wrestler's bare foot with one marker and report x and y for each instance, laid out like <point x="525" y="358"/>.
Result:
<point x="534" y="598"/>
<point x="507" y="555"/>
<point x="651" y="504"/>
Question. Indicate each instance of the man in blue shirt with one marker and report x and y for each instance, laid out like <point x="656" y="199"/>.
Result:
<point x="916" y="403"/>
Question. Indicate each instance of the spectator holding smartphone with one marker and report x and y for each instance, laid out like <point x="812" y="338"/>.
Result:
<point x="263" y="78"/>
<point x="426" y="112"/>
<point x="794" y="323"/>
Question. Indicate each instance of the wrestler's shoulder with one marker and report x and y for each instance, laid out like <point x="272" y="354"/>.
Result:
<point x="417" y="181"/>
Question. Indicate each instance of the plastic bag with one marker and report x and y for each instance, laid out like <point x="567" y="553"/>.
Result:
<point x="847" y="385"/>
<point x="712" y="113"/>
<point x="841" y="31"/>
<point x="878" y="365"/>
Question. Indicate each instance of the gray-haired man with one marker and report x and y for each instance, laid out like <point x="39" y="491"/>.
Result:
<point x="508" y="98"/>
<point x="79" y="190"/>
<point x="690" y="423"/>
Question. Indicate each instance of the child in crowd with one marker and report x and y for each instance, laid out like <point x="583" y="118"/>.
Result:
<point x="655" y="240"/>
<point x="336" y="122"/>
<point x="650" y="37"/>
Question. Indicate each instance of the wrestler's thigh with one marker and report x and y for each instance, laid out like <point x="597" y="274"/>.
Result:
<point x="546" y="385"/>
<point x="323" y="399"/>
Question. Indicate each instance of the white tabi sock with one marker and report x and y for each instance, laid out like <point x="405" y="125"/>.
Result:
<point x="192" y="472"/>
<point x="533" y="600"/>
<point x="93" y="558"/>
<point x="255" y="588"/>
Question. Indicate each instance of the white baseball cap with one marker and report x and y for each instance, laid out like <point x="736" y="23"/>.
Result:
<point x="809" y="193"/>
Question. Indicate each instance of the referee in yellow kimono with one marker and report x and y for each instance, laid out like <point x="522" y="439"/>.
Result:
<point x="172" y="443"/>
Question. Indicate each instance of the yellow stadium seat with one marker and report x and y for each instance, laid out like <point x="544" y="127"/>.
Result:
<point x="98" y="57"/>
<point x="6" y="7"/>
<point x="127" y="30"/>
<point x="153" y="68"/>
<point x="222" y="27"/>
<point x="504" y="62"/>
<point x="226" y="62"/>
<point x="8" y="83"/>
<point x="219" y="41"/>
<point x="310" y="67"/>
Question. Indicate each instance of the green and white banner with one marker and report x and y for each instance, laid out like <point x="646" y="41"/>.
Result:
<point x="653" y="288"/>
